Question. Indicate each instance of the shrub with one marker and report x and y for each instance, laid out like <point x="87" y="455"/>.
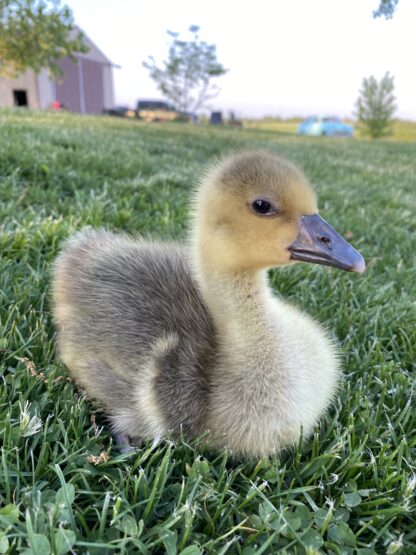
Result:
<point x="375" y="105"/>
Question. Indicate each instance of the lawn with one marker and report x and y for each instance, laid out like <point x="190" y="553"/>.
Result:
<point x="64" y="486"/>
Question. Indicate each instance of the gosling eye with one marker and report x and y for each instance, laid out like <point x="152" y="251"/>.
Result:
<point x="263" y="207"/>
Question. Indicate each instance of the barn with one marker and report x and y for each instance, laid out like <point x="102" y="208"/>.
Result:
<point x="87" y="86"/>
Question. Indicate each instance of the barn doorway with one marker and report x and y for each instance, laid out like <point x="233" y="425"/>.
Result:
<point x="20" y="97"/>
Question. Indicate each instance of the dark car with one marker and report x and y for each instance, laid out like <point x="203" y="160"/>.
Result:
<point x="120" y="111"/>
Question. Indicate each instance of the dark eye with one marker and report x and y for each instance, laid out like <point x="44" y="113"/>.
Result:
<point x="263" y="207"/>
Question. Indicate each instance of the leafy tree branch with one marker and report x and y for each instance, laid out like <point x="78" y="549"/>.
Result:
<point x="36" y="34"/>
<point x="386" y="9"/>
<point x="186" y="76"/>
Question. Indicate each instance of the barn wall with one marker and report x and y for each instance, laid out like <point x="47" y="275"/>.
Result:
<point x="26" y="82"/>
<point x="108" y="86"/>
<point x="85" y="87"/>
<point x="46" y="89"/>
<point x="68" y="88"/>
<point x="92" y="73"/>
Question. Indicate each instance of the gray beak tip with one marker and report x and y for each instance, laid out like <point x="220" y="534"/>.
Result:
<point x="359" y="265"/>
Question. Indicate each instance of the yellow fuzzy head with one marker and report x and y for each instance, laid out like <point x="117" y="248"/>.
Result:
<point x="230" y="227"/>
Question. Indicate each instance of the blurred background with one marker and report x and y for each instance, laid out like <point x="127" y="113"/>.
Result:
<point x="277" y="60"/>
<point x="284" y="58"/>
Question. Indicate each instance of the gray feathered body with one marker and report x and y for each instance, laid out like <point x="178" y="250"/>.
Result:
<point x="134" y="331"/>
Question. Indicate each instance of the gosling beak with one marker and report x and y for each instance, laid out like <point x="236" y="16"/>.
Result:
<point x="318" y="242"/>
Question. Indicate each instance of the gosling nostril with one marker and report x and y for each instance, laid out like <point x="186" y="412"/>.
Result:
<point x="325" y="240"/>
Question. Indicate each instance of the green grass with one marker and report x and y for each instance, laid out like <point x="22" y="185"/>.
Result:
<point x="348" y="490"/>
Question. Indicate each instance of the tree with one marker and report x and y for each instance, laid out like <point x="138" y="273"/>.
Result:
<point x="36" y="34"/>
<point x="185" y="77"/>
<point x="376" y="106"/>
<point x="386" y="8"/>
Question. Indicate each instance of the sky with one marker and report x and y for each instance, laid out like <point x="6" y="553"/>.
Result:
<point x="285" y="57"/>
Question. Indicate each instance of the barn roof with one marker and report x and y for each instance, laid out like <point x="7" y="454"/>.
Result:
<point x="94" y="53"/>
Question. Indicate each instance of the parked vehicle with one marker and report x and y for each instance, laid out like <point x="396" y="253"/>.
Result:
<point x="216" y="118"/>
<point x="120" y="111"/>
<point x="156" y="110"/>
<point x="325" y="125"/>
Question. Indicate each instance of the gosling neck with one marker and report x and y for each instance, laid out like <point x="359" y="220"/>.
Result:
<point x="233" y="294"/>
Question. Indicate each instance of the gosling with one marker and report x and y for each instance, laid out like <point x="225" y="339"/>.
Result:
<point x="189" y="339"/>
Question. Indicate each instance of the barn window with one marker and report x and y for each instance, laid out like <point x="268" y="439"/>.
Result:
<point x="20" y="97"/>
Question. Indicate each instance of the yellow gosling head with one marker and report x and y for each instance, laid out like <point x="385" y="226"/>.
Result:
<point x="255" y="210"/>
